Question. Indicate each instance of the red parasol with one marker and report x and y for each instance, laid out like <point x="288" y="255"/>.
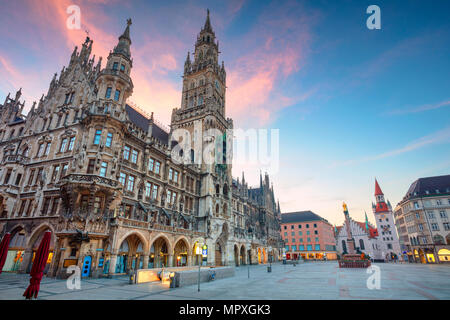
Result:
<point x="4" y="249"/>
<point x="39" y="264"/>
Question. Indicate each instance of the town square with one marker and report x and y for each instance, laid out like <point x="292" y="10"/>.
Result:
<point x="227" y="151"/>
<point x="307" y="281"/>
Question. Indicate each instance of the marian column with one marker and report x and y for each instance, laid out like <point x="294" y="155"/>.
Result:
<point x="350" y="240"/>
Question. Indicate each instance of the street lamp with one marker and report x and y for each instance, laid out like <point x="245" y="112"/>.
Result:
<point x="269" y="268"/>
<point x="250" y="232"/>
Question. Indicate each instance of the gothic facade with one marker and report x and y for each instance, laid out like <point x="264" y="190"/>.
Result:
<point x="101" y="174"/>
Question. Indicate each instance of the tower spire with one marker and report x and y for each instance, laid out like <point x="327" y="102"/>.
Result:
<point x="207" y="26"/>
<point x="378" y="191"/>
<point x="123" y="46"/>
<point x="367" y="222"/>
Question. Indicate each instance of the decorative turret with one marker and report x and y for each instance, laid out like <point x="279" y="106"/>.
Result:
<point x="187" y="63"/>
<point x="114" y="83"/>
<point x="123" y="47"/>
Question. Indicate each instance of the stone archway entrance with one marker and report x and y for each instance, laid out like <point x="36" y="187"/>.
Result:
<point x="34" y="244"/>
<point x="130" y="255"/>
<point x="181" y="254"/>
<point x="16" y="250"/>
<point x="159" y="253"/>
<point x="242" y="255"/>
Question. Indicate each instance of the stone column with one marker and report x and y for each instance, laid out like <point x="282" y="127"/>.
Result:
<point x="170" y="260"/>
<point x="28" y="254"/>
<point x="55" y="259"/>
<point x="145" y="262"/>
<point x="130" y="259"/>
<point x="112" y="263"/>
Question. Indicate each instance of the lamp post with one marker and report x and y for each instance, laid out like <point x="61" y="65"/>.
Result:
<point x="202" y="251"/>
<point x="269" y="268"/>
<point x="250" y="232"/>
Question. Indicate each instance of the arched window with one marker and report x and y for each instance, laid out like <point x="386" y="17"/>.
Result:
<point x="217" y="208"/>
<point x="225" y="190"/>
<point x="361" y="244"/>
<point x="344" y="246"/>
<point x="217" y="189"/>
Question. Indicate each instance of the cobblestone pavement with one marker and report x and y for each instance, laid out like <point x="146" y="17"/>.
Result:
<point x="310" y="280"/>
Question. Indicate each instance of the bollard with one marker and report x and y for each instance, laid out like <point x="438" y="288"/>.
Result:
<point x="172" y="281"/>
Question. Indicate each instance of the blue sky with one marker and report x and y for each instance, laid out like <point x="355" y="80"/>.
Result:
<point x="351" y="103"/>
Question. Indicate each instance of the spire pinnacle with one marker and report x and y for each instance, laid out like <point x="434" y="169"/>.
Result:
<point x="207" y="26"/>
<point x="123" y="46"/>
<point x="378" y="191"/>
<point x="367" y="221"/>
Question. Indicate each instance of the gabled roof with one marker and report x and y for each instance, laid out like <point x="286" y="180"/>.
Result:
<point x="300" y="216"/>
<point x="373" y="232"/>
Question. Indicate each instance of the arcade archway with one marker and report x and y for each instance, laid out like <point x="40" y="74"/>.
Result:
<point x="17" y="247"/>
<point x="242" y="255"/>
<point x="130" y="254"/>
<point x="181" y="253"/>
<point x="159" y="253"/>
<point x="218" y="254"/>
<point x="35" y="241"/>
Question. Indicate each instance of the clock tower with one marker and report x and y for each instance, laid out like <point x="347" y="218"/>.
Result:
<point x="384" y="218"/>
<point x="200" y="122"/>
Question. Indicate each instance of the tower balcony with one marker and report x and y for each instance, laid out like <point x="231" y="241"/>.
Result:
<point x="106" y="107"/>
<point x="114" y="74"/>
<point x="90" y="179"/>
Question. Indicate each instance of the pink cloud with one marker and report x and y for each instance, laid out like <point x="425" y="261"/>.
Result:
<point x="275" y="49"/>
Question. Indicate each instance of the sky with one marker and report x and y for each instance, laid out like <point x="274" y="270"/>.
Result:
<point x="350" y="103"/>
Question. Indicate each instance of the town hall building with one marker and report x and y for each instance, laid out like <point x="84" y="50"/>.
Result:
<point x="101" y="175"/>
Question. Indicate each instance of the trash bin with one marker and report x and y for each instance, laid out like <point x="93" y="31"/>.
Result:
<point x="132" y="278"/>
<point x="284" y="261"/>
<point x="269" y="268"/>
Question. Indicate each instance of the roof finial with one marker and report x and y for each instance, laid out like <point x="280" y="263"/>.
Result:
<point x="207" y="22"/>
